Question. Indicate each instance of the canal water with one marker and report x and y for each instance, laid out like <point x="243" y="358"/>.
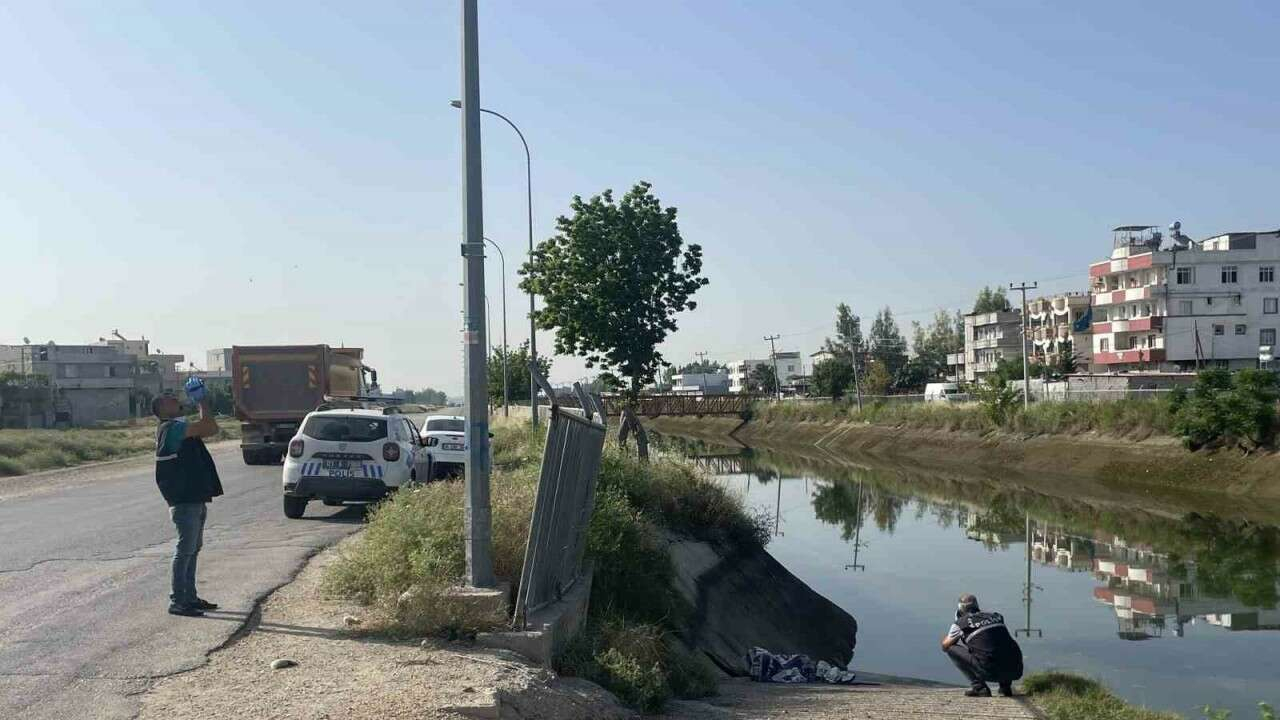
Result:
<point x="1171" y="612"/>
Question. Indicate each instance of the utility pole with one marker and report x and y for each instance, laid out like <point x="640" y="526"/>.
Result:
<point x="1026" y="378"/>
<point x="857" y="386"/>
<point x="1027" y="588"/>
<point x="701" y="355"/>
<point x="478" y="521"/>
<point x="773" y="353"/>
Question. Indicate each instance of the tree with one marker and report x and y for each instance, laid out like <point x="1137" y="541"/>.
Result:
<point x="991" y="300"/>
<point x="612" y="280"/>
<point x="945" y="335"/>
<point x="431" y="396"/>
<point x="1067" y="363"/>
<point x="887" y="346"/>
<point x="833" y="377"/>
<point x="848" y="342"/>
<point x="999" y="401"/>
<point x="913" y="376"/>
<point x="518" y="366"/>
<point x="877" y="379"/>
<point x="762" y="379"/>
<point x="704" y="366"/>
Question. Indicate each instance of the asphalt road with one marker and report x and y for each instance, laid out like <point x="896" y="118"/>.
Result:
<point x="84" y="579"/>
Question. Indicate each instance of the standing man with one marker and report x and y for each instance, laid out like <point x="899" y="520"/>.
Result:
<point x="188" y="480"/>
<point x="981" y="647"/>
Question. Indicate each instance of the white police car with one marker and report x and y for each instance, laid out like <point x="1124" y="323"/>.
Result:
<point x="351" y="455"/>
<point x="445" y="437"/>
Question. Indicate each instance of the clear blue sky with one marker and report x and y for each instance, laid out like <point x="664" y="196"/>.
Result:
<point x="235" y="172"/>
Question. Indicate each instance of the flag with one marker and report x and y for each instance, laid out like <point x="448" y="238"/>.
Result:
<point x="1083" y="322"/>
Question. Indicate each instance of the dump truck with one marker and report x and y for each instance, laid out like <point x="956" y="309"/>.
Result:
<point x="275" y="386"/>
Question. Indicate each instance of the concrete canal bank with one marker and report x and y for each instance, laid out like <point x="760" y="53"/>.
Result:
<point x="1158" y="467"/>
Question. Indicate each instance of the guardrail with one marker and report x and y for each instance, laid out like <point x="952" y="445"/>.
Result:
<point x="564" y="503"/>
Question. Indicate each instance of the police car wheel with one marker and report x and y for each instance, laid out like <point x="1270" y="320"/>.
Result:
<point x="294" y="507"/>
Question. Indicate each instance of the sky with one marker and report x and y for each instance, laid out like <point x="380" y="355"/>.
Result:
<point x="209" y="174"/>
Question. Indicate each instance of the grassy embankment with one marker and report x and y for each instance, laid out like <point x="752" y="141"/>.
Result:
<point x="414" y="543"/>
<point x="1134" y="419"/>
<point x="28" y="451"/>
<point x="1065" y="696"/>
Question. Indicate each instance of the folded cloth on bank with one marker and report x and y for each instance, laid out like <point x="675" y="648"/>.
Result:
<point x="772" y="667"/>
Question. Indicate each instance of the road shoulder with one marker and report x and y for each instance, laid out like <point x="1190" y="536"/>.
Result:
<point x="339" y="673"/>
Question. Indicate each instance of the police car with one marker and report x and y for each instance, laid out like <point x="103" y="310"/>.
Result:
<point x="445" y="438"/>
<point x="351" y="455"/>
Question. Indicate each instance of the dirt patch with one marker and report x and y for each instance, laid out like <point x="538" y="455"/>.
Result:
<point x="341" y="674"/>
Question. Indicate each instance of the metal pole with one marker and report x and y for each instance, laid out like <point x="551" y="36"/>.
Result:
<point x="478" y="521"/>
<point x="857" y="386"/>
<point x="506" y="377"/>
<point x="1026" y="377"/>
<point x="773" y="353"/>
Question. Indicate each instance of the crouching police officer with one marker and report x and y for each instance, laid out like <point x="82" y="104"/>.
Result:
<point x="981" y="647"/>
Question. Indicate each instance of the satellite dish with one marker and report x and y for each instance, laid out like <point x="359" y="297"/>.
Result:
<point x="26" y="340"/>
<point x="1176" y="227"/>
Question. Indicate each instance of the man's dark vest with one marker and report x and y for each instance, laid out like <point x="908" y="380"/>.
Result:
<point x="188" y="476"/>
<point x="991" y="645"/>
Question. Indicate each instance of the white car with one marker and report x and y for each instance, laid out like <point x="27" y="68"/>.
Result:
<point x="445" y="438"/>
<point x="351" y="455"/>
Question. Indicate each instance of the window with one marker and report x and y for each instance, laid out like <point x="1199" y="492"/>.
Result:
<point x="1270" y="306"/>
<point x="71" y="371"/>
<point x="1133" y="342"/>
<point x="446" y="425"/>
<point x="1267" y="273"/>
<point x="1208" y="301"/>
<point x="1151" y="341"/>
<point x="1241" y="329"/>
<point x="1222" y="364"/>
<point x="1185" y="276"/>
<point x="1185" y="307"/>
<point x="1237" y="300"/>
<point x="351" y="428"/>
<point x="1219" y="329"/>
<point x="1230" y="274"/>
<point x="1104" y="345"/>
<point x="1267" y="336"/>
<point x="111" y="371"/>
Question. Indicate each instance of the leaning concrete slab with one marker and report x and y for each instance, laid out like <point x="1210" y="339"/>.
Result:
<point x="550" y="626"/>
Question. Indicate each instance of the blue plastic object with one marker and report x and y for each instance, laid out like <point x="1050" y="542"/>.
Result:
<point x="195" y="389"/>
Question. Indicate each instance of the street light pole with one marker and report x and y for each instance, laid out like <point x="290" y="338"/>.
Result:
<point x="479" y="550"/>
<point x="1026" y="378"/>
<point x="528" y="186"/>
<point x="773" y="353"/>
<point x="506" y="377"/>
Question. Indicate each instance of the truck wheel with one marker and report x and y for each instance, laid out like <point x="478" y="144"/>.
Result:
<point x="294" y="507"/>
<point x="251" y="457"/>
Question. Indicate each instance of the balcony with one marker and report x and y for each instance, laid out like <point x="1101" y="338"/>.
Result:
<point x="991" y="342"/>
<point x="1140" y="355"/>
<point x="1108" y="297"/>
<point x="1143" y="324"/>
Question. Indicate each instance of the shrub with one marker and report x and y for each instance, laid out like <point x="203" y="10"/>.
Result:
<point x="997" y="398"/>
<point x="1235" y="410"/>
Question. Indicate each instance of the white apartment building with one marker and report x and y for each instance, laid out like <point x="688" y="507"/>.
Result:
<point x="790" y="367"/>
<point x="1057" y="322"/>
<point x="988" y="338"/>
<point x="1178" y="305"/>
<point x="708" y="383"/>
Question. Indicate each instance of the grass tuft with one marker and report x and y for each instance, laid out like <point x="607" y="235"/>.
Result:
<point x="1066" y="696"/>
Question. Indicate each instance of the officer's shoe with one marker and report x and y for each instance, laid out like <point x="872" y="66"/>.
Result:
<point x="983" y="691"/>
<point x="1006" y="689"/>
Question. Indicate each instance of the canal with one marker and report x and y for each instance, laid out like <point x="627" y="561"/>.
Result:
<point x="1171" y="611"/>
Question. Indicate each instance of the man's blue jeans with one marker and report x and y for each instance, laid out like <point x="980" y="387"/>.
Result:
<point x="189" y="519"/>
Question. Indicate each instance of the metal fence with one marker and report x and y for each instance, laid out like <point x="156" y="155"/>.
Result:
<point x="565" y="500"/>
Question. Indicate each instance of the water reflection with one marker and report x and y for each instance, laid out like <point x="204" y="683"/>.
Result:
<point x="1075" y="562"/>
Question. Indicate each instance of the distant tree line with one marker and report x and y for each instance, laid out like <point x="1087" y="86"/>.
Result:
<point x="426" y="396"/>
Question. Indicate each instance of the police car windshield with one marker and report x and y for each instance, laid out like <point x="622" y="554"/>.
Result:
<point x="345" y="429"/>
<point x="446" y="425"/>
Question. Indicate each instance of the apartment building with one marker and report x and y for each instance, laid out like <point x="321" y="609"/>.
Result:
<point x="1180" y="304"/>
<point x="790" y="368"/>
<point x="707" y="383"/>
<point x="1057" y="323"/>
<point x="988" y="338"/>
<point x="89" y="382"/>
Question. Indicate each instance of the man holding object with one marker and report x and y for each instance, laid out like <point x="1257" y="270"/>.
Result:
<point x="981" y="647"/>
<point x="188" y="480"/>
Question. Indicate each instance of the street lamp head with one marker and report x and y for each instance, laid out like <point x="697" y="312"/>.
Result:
<point x="456" y="103"/>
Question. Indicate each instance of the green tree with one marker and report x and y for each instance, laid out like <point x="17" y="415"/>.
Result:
<point x="518" y="366"/>
<point x="833" y="377"/>
<point x="612" y="280"/>
<point x="991" y="300"/>
<point x="932" y="344"/>
<point x="1067" y="363"/>
<point x="877" y="379"/>
<point x="848" y="342"/>
<point x="999" y="401"/>
<point x="431" y="396"/>
<point x="704" y="366"/>
<point x="1224" y="409"/>
<point x="887" y="346"/>
<point x="762" y="379"/>
<point x="914" y="375"/>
